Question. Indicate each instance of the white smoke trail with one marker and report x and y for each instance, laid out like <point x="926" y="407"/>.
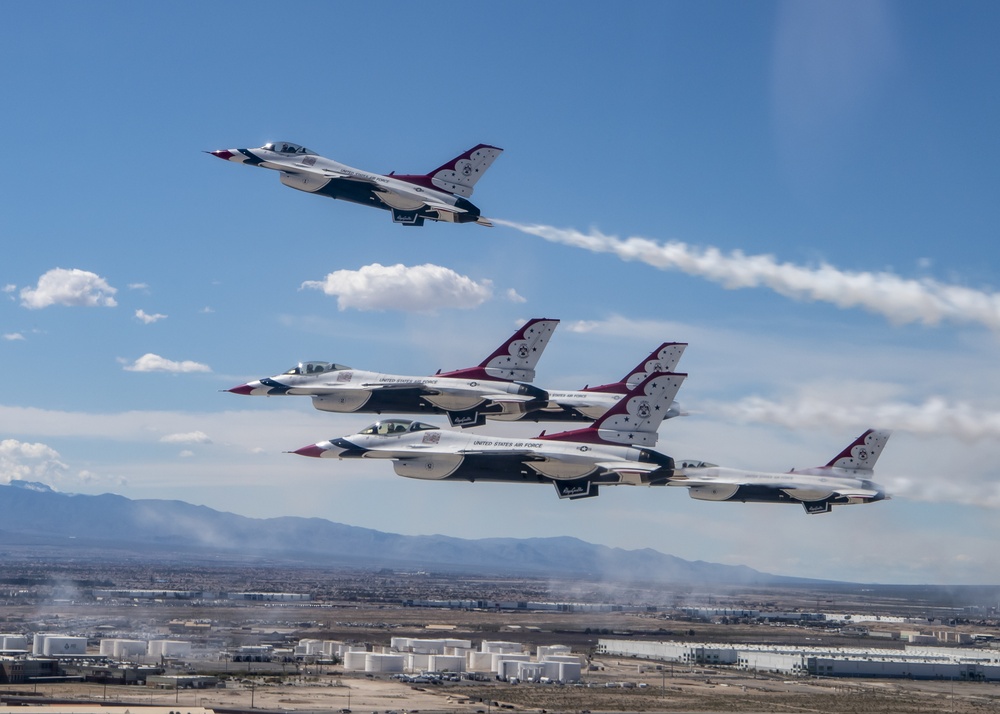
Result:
<point x="898" y="299"/>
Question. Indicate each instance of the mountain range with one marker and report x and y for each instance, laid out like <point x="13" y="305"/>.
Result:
<point x="36" y="521"/>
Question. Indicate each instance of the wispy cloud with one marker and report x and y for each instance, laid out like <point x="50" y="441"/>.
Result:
<point x="150" y="362"/>
<point x="420" y="288"/>
<point x="148" y="319"/>
<point x="935" y="416"/>
<point x="191" y="437"/>
<point x="74" y="287"/>
<point x="13" y="336"/>
<point x="900" y="300"/>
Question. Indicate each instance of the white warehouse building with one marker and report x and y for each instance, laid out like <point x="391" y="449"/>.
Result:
<point x="925" y="663"/>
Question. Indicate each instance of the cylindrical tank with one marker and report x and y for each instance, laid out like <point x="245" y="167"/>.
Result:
<point x="375" y="662"/>
<point x="13" y="642"/>
<point x="498" y="658"/>
<point x="563" y="658"/>
<point x="175" y="648"/>
<point x="544" y="651"/>
<point x="58" y="645"/>
<point x="447" y="663"/>
<point x="124" y="649"/>
<point x="480" y="662"/>
<point x="416" y="662"/>
<point x="569" y="672"/>
<point x="502" y="647"/>
<point x="355" y="660"/>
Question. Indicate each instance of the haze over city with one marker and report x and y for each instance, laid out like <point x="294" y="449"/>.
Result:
<point x="803" y="192"/>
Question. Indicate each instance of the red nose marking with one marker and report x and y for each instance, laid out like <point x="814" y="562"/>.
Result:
<point x="311" y="450"/>
<point x="222" y="154"/>
<point x="242" y="389"/>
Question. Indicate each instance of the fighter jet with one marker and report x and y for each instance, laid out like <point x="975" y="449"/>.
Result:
<point x="845" y="480"/>
<point x="590" y="403"/>
<point x="613" y="451"/>
<point x="467" y="396"/>
<point x="441" y="195"/>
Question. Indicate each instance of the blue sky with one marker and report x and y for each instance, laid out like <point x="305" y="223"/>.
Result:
<point x="804" y="192"/>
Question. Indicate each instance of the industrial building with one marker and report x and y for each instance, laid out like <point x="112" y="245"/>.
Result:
<point x="914" y="662"/>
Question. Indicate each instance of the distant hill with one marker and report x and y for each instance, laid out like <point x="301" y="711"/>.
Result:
<point x="34" y="518"/>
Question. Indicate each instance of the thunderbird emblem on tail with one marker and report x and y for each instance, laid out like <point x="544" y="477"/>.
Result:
<point x="441" y="195"/>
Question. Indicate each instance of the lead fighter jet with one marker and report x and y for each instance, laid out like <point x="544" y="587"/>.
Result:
<point x="467" y="396"/>
<point x="441" y="195"/>
<point x="846" y="479"/>
<point x="613" y="451"/>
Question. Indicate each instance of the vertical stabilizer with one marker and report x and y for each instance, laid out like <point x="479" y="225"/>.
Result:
<point x="663" y="359"/>
<point x="516" y="358"/>
<point x="459" y="175"/>
<point x="634" y="419"/>
<point x="864" y="452"/>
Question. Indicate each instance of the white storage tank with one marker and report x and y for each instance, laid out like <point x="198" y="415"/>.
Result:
<point x="174" y="648"/>
<point x="38" y="643"/>
<point x="375" y="662"/>
<point x="107" y="648"/>
<point x="447" y="663"/>
<point x="355" y="660"/>
<point x="499" y="658"/>
<point x="13" y="642"/>
<point x="480" y="662"/>
<point x="544" y="651"/>
<point x="501" y="647"/>
<point x="125" y="649"/>
<point x="564" y="658"/>
<point x="416" y="662"/>
<point x="59" y="645"/>
<point x="569" y="672"/>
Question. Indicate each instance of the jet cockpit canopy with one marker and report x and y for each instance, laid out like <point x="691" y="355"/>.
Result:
<point x="689" y="464"/>
<point x="287" y="147"/>
<point x="306" y="368"/>
<point x="385" y="427"/>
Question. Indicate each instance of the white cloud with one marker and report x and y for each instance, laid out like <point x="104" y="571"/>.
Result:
<point x="421" y="288"/>
<point x="513" y="296"/>
<point x="29" y="462"/>
<point x="150" y="362"/>
<point x="9" y="288"/>
<point x="899" y="300"/>
<point x="138" y="286"/>
<point x="935" y="416"/>
<point x="147" y="318"/>
<point x="192" y="437"/>
<point x="12" y="336"/>
<point x="186" y="454"/>
<point x="78" y="288"/>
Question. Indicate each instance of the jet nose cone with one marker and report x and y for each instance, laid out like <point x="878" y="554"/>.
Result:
<point x="311" y="450"/>
<point x="222" y="154"/>
<point x="242" y="389"/>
